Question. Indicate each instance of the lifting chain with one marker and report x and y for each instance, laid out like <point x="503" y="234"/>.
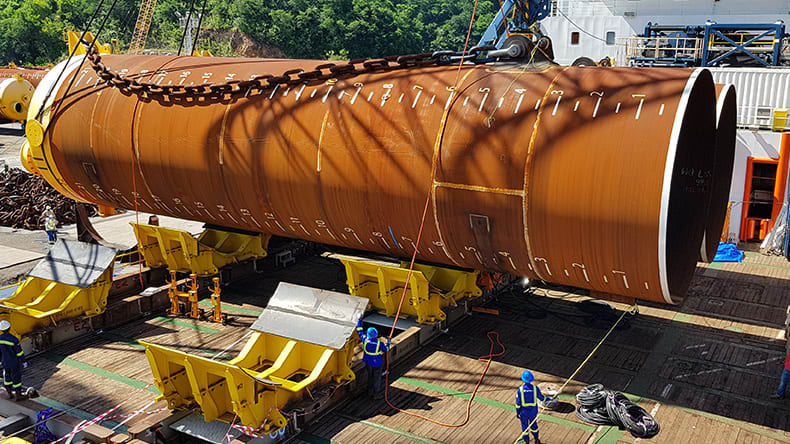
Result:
<point x="232" y="90"/>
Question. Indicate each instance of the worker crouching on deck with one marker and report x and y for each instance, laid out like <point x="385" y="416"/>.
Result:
<point x="527" y="397"/>
<point x="13" y="360"/>
<point x="373" y="350"/>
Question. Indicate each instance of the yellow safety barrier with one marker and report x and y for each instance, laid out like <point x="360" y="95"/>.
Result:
<point x="270" y="372"/>
<point x="430" y="288"/>
<point x="213" y="249"/>
<point x="56" y="290"/>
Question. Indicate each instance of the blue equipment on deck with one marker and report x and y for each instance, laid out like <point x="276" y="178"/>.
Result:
<point x="711" y="44"/>
<point x="521" y="15"/>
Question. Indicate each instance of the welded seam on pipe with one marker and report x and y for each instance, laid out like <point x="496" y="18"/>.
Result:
<point x="528" y="165"/>
<point x="437" y="149"/>
<point x="666" y="187"/>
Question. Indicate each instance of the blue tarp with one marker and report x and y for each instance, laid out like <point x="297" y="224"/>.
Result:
<point x="728" y="253"/>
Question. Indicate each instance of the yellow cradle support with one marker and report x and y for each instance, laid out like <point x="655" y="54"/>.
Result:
<point x="273" y="371"/>
<point x="430" y="288"/>
<point x="205" y="255"/>
<point x="59" y="289"/>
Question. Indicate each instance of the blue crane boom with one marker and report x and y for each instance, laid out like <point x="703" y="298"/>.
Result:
<point x="522" y="14"/>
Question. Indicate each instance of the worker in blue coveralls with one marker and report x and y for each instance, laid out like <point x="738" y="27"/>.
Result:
<point x="373" y="349"/>
<point x="13" y="360"/>
<point x="527" y="398"/>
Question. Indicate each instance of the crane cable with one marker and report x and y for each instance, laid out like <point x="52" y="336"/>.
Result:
<point x="186" y="27"/>
<point x="73" y="51"/>
<point x="200" y="22"/>
<point x="492" y="335"/>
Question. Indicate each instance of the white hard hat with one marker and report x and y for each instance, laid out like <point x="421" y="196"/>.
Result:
<point x="5" y="325"/>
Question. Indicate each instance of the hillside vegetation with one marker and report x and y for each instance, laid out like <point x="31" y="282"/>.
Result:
<point x="32" y="30"/>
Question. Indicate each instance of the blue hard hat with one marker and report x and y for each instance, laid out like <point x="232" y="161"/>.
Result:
<point x="373" y="333"/>
<point x="527" y="376"/>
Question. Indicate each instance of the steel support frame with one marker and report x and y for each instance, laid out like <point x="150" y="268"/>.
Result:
<point x="776" y="29"/>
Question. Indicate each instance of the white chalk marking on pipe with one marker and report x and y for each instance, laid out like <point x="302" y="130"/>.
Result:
<point x="267" y="223"/>
<point x="256" y="222"/>
<point x="691" y="347"/>
<point x="400" y="99"/>
<point x="584" y="270"/>
<point x="466" y="100"/>
<point x="447" y="104"/>
<point x="557" y="103"/>
<point x="80" y="80"/>
<point x="370" y="96"/>
<point x="313" y="94"/>
<point x="641" y="98"/>
<point x="485" y="96"/>
<point x="354" y="99"/>
<point x="617" y="109"/>
<point x="274" y="91"/>
<point x="537" y="105"/>
<point x="299" y="93"/>
<point x="518" y="104"/>
<point x="598" y="103"/>
<point x="430" y="250"/>
<point x="605" y="279"/>
<point x="414" y="103"/>
<point x="625" y="280"/>
<point x="287" y="90"/>
<point x="330" y="233"/>
<point x="576" y="106"/>
<point x="545" y="263"/>
<point x="343" y="236"/>
<point x="327" y="93"/>
<point x="661" y="110"/>
<point x="432" y="99"/>
<point x="665" y="392"/>
<point x="566" y="272"/>
<point x="461" y="254"/>
<point x="304" y="229"/>
<point x="501" y="101"/>
<point x="646" y="287"/>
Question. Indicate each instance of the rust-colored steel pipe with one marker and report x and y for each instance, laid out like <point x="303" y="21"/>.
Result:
<point x="724" y="157"/>
<point x="32" y="75"/>
<point x="596" y="178"/>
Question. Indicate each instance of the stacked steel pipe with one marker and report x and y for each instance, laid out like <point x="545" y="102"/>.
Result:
<point x="598" y="178"/>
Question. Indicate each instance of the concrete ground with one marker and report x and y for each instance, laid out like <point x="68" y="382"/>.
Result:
<point x="22" y="249"/>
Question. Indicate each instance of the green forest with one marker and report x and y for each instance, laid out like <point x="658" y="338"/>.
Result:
<point x="33" y="30"/>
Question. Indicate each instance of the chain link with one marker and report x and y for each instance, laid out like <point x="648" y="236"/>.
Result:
<point x="236" y="89"/>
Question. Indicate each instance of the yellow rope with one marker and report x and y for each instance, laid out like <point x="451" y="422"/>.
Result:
<point x="632" y="310"/>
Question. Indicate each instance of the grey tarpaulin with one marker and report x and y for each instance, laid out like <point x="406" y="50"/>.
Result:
<point x="74" y="263"/>
<point x="320" y="317"/>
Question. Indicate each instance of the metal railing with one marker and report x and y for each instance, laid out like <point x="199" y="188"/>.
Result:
<point x="671" y="50"/>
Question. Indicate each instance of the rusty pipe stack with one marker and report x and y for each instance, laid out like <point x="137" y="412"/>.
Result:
<point x="591" y="177"/>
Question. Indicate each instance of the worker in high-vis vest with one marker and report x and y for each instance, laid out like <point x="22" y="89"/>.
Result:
<point x="13" y="359"/>
<point x="527" y="398"/>
<point x="373" y="350"/>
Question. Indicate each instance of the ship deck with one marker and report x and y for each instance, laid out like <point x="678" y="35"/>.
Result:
<point x="705" y="368"/>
